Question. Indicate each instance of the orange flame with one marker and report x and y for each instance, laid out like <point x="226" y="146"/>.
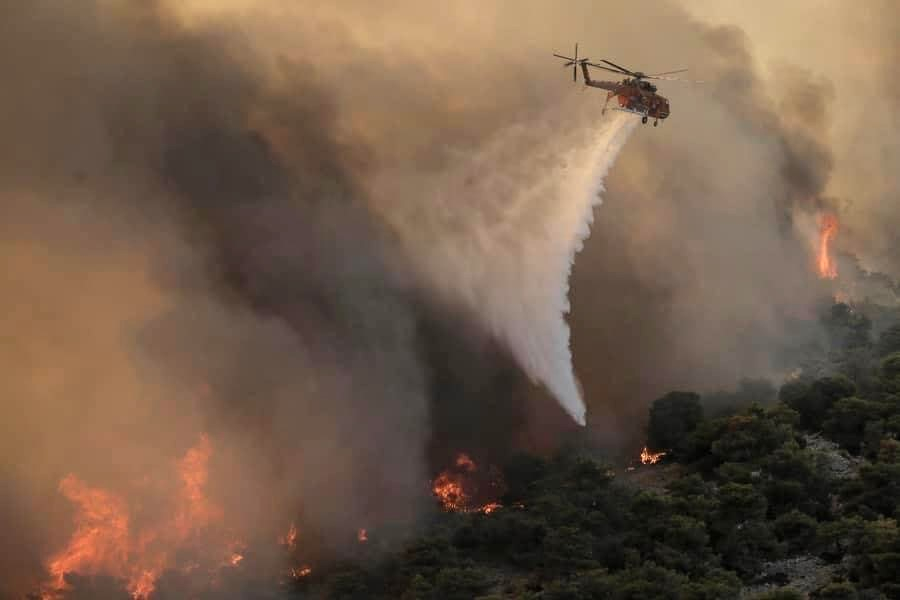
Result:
<point x="449" y="491"/>
<point x="827" y="230"/>
<point x="456" y="489"/>
<point x="105" y="542"/>
<point x="490" y="507"/>
<point x="100" y="537"/>
<point x="290" y="538"/>
<point x="302" y="571"/>
<point x="464" y="462"/>
<point x="650" y="458"/>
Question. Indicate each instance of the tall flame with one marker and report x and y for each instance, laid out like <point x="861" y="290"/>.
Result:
<point x="106" y="542"/>
<point x="827" y="230"/>
<point x="100" y="538"/>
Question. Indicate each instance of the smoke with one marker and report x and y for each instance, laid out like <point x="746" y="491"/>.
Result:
<point x="166" y="274"/>
<point x="856" y="50"/>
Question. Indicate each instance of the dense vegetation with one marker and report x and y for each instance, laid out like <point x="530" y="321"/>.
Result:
<point x="752" y="485"/>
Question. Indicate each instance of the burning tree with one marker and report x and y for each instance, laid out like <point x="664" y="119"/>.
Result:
<point x="672" y="419"/>
<point x="464" y="487"/>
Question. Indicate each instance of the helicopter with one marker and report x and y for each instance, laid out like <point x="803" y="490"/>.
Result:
<point x="635" y="95"/>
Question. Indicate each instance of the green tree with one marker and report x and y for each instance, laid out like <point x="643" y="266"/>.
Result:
<point x="888" y="341"/>
<point x="814" y="402"/>
<point x="520" y="474"/>
<point x="835" y="539"/>
<point x="793" y="479"/>
<point x="797" y="530"/>
<point x="785" y="594"/>
<point x="646" y="581"/>
<point x="842" y="590"/>
<point x="672" y="419"/>
<point x="460" y="584"/>
<point x="568" y="549"/>
<point x="890" y="373"/>
<point x="877" y="554"/>
<point x="751" y="437"/>
<point x="847" y="419"/>
<point x="418" y="589"/>
<point x="847" y="328"/>
<point x="738" y="503"/>
<point x="714" y="585"/>
<point x="747" y="545"/>
<point x="889" y="451"/>
<point x="878" y="489"/>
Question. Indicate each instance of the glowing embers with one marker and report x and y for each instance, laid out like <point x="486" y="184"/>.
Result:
<point x="301" y="571"/>
<point x="289" y="539"/>
<point x="490" y="507"/>
<point x="448" y="488"/>
<point x="825" y="264"/>
<point x="465" y="488"/>
<point x="136" y="541"/>
<point x="650" y="458"/>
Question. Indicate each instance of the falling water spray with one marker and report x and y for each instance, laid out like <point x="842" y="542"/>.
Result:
<point x="498" y="232"/>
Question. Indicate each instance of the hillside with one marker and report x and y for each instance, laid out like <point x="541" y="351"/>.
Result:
<point x="792" y="496"/>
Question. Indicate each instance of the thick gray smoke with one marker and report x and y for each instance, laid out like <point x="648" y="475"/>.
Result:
<point x="167" y="275"/>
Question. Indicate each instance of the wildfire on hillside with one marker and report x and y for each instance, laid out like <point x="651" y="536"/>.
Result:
<point x="465" y="488"/>
<point x="825" y="264"/>
<point x="650" y="458"/>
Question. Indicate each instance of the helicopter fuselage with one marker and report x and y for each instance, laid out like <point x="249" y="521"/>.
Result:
<point x="633" y="94"/>
<point x="641" y="97"/>
<point x="638" y="97"/>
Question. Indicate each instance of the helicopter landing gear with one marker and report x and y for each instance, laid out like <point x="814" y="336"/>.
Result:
<point x="644" y="120"/>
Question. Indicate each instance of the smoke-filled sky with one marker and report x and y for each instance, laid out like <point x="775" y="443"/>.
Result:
<point x="335" y="236"/>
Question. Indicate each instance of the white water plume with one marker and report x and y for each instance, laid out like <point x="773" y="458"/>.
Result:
<point x="498" y="231"/>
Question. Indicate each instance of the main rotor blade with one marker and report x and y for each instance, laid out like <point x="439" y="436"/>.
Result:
<point x="574" y="72"/>
<point x="667" y="73"/>
<point x="608" y="69"/>
<point x="623" y="69"/>
<point x="563" y="57"/>
<point x="675" y="79"/>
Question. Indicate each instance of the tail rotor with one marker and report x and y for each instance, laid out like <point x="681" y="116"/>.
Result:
<point x="573" y="62"/>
